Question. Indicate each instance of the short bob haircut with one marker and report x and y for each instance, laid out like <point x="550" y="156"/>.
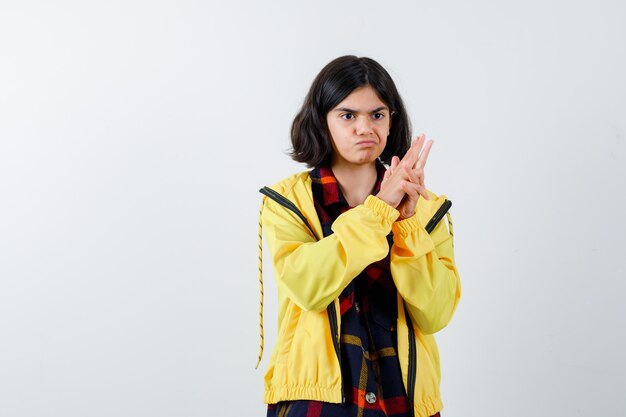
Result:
<point x="310" y="137"/>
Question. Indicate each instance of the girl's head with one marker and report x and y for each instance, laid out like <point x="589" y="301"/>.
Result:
<point x="328" y="125"/>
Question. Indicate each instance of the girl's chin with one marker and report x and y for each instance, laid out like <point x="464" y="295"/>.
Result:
<point x="363" y="161"/>
<point x="358" y="160"/>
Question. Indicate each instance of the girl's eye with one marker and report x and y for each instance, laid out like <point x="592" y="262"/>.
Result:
<point x="347" y="116"/>
<point x="378" y="116"/>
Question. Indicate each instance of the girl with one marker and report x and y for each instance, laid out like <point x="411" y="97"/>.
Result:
<point x="364" y="263"/>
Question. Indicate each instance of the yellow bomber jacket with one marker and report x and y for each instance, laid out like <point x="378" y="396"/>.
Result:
<point x="311" y="271"/>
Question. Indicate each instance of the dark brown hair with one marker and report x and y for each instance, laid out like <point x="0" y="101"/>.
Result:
<point x="310" y="137"/>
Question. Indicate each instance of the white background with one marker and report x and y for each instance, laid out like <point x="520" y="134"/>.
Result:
<point x="134" y="136"/>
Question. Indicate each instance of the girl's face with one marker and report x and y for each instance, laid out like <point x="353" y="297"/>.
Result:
<point x="359" y="127"/>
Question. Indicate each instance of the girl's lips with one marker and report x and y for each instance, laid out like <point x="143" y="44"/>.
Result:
<point x="366" y="143"/>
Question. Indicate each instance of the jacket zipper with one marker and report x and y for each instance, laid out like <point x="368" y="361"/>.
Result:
<point x="430" y="226"/>
<point x="412" y="362"/>
<point x="332" y="317"/>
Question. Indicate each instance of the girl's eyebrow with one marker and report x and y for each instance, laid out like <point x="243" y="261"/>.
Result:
<point x="354" y="111"/>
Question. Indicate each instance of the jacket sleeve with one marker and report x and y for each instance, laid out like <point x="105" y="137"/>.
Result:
<point x="423" y="269"/>
<point x="313" y="273"/>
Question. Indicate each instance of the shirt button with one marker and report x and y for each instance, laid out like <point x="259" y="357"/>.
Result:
<point x="370" y="397"/>
<point x="356" y="307"/>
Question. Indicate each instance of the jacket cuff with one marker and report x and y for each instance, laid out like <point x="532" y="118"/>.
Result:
<point x="383" y="209"/>
<point x="406" y="226"/>
<point x="411" y="230"/>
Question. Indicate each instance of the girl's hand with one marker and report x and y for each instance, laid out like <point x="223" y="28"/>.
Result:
<point x="417" y="186"/>
<point x="406" y="178"/>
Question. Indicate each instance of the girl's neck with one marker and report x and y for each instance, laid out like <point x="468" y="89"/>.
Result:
<point x="355" y="181"/>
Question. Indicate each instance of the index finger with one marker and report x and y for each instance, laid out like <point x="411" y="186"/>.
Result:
<point x="424" y="155"/>
<point x="412" y="155"/>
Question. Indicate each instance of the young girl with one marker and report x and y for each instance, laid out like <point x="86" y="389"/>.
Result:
<point x="364" y="263"/>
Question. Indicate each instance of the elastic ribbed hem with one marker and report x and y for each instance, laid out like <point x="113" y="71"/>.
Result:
<point x="406" y="226"/>
<point x="383" y="209"/>
<point x="410" y="229"/>
<point x="292" y="393"/>
<point x="429" y="407"/>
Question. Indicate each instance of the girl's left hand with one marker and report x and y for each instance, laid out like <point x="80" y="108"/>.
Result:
<point x="416" y="187"/>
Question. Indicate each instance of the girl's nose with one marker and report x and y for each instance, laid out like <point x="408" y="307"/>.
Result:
<point x="364" y="126"/>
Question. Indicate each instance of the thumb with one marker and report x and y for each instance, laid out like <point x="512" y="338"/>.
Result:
<point x="394" y="162"/>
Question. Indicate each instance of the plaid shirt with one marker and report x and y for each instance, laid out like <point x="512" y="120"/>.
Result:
<point x="372" y="381"/>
